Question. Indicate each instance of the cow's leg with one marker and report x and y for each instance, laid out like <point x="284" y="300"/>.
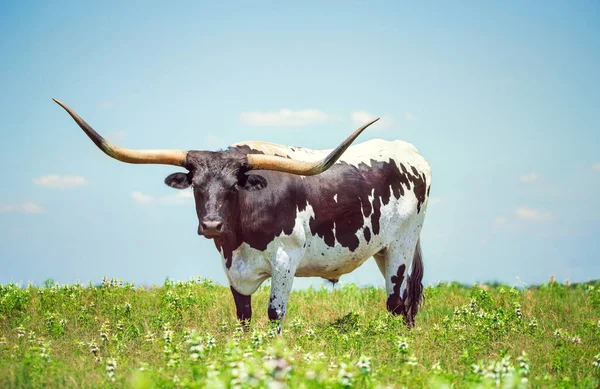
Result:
<point x="243" y="306"/>
<point x="403" y="274"/>
<point x="282" y="279"/>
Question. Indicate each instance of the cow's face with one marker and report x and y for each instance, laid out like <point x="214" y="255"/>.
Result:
<point x="217" y="179"/>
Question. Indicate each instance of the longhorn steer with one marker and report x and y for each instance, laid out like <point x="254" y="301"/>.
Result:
<point x="280" y="212"/>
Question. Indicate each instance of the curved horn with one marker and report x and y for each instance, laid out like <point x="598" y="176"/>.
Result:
<point x="165" y="157"/>
<point x="270" y="162"/>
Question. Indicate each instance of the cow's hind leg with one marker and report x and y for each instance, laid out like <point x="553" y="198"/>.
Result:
<point x="402" y="266"/>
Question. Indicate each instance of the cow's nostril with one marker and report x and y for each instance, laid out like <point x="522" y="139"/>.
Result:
<point x="212" y="225"/>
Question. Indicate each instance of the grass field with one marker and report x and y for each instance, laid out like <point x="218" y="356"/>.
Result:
<point x="184" y="334"/>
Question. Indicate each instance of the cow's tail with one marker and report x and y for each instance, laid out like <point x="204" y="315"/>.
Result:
<point x="415" y="286"/>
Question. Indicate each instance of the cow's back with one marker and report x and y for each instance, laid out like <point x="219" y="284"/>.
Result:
<point x="375" y="149"/>
<point x="354" y="209"/>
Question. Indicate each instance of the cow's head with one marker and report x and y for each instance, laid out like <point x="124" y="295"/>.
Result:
<point x="216" y="177"/>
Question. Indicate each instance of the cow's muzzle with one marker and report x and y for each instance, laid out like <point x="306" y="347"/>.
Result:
<point x="210" y="228"/>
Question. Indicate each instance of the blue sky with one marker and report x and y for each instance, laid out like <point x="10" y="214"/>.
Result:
<point x="500" y="97"/>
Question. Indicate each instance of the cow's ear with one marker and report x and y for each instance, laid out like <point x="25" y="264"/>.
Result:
<point x="254" y="182"/>
<point x="178" y="180"/>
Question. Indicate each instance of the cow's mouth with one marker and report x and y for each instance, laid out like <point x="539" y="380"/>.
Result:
<point x="211" y="234"/>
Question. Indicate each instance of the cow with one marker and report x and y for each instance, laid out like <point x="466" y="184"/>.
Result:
<point x="283" y="212"/>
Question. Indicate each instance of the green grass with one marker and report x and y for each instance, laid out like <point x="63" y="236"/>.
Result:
<point x="184" y="334"/>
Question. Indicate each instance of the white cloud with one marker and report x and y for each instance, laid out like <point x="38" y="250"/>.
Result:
<point x="529" y="177"/>
<point x="141" y="198"/>
<point x="31" y="208"/>
<point x="532" y="214"/>
<point x="409" y="116"/>
<point x="596" y="167"/>
<point x="181" y="197"/>
<point x="26" y="207"/>
<point x="185" y="194"/>
<point x="362" y="117"/>
<point x="56" y="181"/>
<point x="107" y="104"/>
<point x="5" y="208"/>
<point x="500" y="220"/>
<point x="285" y="117"/>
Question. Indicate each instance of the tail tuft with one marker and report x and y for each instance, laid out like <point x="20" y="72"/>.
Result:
<point x="414" y="287"/>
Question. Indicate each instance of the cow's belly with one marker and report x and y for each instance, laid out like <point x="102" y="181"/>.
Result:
<point x="311" y="256"/>
<point x="321" y="260"/>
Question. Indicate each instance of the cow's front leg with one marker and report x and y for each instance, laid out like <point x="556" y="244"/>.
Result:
<point x="281" y="286"/>
<point x="282" y="279"/>
<point x="243" y="306"/>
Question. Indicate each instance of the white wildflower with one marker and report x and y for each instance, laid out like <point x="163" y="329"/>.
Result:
<point x="412" y="361"/>
<point x="344" y="376"/>
<point x="364" y="364"/>
<point x="402" y="344"/>
<point x="210" y="342"/>
<point x="111" y="368"/>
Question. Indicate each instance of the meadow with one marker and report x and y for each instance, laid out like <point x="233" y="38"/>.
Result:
<point x="185" y="334"/>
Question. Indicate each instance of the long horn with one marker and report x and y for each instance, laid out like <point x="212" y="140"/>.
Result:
<point x="270" y="162"/>
<point x="165" y="157"/>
